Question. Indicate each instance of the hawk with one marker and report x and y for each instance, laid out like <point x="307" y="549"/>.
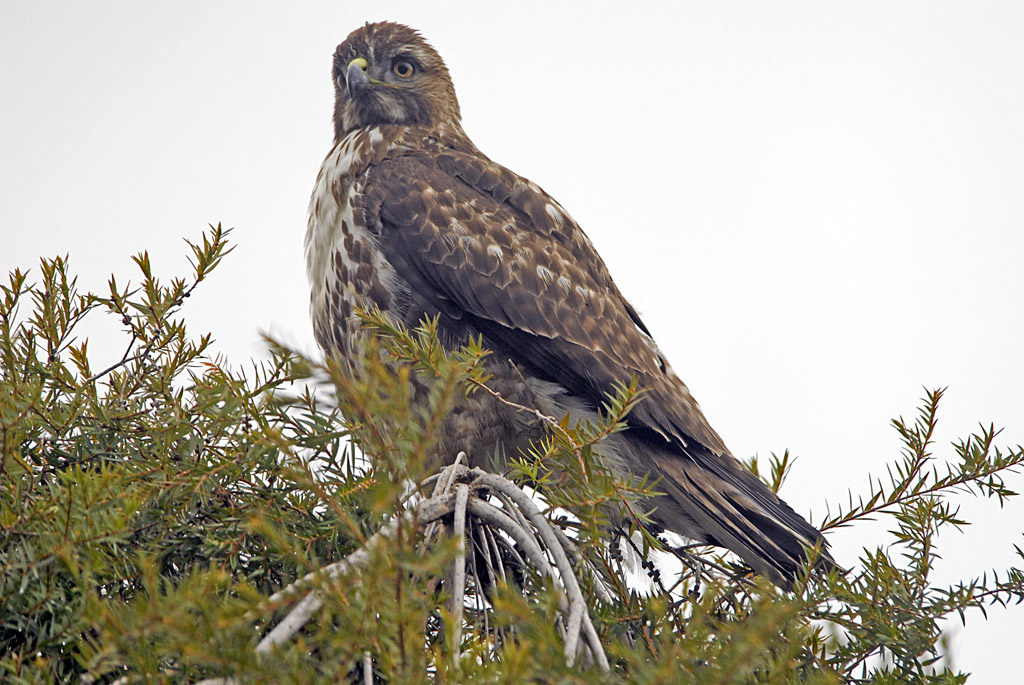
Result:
<point x="408" y="215"/>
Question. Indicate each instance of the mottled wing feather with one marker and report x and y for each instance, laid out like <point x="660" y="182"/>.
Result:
<point x="484" y="245"/>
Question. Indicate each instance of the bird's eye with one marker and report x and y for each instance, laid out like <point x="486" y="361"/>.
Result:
<point x="403" y="68"/>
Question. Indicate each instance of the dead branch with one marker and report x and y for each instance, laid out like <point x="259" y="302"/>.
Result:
<point x="516" y="528"/>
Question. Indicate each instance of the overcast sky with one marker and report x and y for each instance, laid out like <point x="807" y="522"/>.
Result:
<point x="816" y="207"/>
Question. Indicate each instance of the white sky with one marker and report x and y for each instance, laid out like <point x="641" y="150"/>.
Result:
<point x="817" y="207"/>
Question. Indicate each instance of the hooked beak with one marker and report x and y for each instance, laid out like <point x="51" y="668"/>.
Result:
<point x="356" y="77"/>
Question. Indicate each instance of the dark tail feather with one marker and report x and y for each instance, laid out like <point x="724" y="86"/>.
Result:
<point x="715" y="499"/>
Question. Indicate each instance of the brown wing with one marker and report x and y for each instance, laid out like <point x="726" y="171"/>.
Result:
<point x="486" y="246"/>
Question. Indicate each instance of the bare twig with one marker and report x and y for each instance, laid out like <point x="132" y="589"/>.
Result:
<point x="124" y="360"/>
<point x="428" y="510"/>
<point x="443" y="483"/>
<point x="549" y="421"/>
<point x="599" y="583"/>
<point x="458" y="597"/>
<point x="367" y="668"/>
<point x="463" y="491"/>
<point x="578" y="614"/>
<point x="490" y="514"/>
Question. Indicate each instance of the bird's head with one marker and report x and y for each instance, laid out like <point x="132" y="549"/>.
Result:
<point x="386" y="73"/>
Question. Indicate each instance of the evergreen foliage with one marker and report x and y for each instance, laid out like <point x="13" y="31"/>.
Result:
<point x="160" y="516"/>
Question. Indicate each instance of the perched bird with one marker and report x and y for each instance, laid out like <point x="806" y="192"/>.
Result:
<point x="408" y="215"/>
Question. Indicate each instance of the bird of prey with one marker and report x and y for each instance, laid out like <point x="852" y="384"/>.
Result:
<point x="408" y="215"/>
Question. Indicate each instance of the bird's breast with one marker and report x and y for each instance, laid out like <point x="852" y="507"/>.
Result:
<point x="344" y="263"/>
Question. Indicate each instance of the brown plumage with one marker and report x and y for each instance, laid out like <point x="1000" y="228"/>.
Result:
<point x="409" y="215"/>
